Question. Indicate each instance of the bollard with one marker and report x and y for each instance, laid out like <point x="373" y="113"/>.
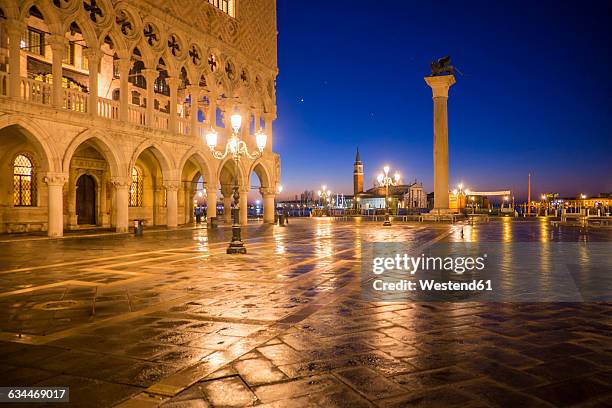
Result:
<point x="212" y="222"/>
<point x="138" y="227"/>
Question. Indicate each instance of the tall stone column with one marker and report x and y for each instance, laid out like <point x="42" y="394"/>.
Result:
<point x="194" y="96"/>
<point x="122" y="187"/>
<point x="243" y="213"/>
<point x="14" y="30"/>
<point x="227" y="206"/>
<point x="173" y="84"/>
<point x="440" y="86"/>
<point x="171" y="203"/>
<point x="55" y="184"/>
<point x="124" y="72"/>
<point x="211" y="203"/>
<point x="268" y="204"/>
<point x="58" y="45"/>
<point x="150" y="76"/>
<point x="94" y="62"/>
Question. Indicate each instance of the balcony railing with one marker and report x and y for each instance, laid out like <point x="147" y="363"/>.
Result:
<point x="136" y="115"/>
<point x="161" y="120"/>
<point x="108" y="108"/>
<point x="36" y="91"/>
<point x="41" y="93"/>
<point x="75" y="101"/>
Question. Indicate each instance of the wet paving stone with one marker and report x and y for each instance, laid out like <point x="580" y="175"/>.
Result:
<point x="286" y="325"/>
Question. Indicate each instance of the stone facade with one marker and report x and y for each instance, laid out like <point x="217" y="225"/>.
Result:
<point x="126" y="141"/>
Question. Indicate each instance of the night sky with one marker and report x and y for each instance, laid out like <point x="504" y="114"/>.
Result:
<point x="535" y="95"/>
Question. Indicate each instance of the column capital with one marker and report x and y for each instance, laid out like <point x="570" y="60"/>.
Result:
<point x="172" y="185"/>
<point x="121" y="182"/>
<point x="92" y="54"/>
<point x="55" y="179"/>
<point x="440" y="84"/>
<point x="173" y="81"/>
<point x="150" y="74"/>
<point x="266" y="191"/>
<point x="124" y="63"/>
<point x="56" y="41"/>
<point x="15" y="27"/>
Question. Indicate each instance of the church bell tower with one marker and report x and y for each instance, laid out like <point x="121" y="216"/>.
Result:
<point x="357" y="174"/>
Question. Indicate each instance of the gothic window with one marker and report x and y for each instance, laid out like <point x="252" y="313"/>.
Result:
<point x="227" y="6"/>
<point x="136" y="188"/>
<point x="33" y="41"/>
<point x="24" y="182"/>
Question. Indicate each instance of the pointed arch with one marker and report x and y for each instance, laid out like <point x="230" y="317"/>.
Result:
<point x="164" y="160"/>
<point x="203" y="161"/>
<point x="103" y="144"/>
<point x="38" y="136"/>
<point x="265" y="178"/>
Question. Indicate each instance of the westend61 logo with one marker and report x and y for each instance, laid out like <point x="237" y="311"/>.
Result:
<point x="412" y="264"/>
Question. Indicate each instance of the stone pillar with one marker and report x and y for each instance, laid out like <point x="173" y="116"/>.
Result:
<point x="227" y="206"/>
<point x="58" y="45"/>
<point x="173" y="84"/>
<point x="211" y="203"/>
<point x="94" y="62"/>
<point x="194" y="96"/>
<point x="122" y="187"/>
<point x="243" y="206"/>
<point x="171" y="203"/>
<point x="211" y="118"/>
<point x="268" y="204"/>
<point x="55" y="184"/>
<point x="440" y="86"/>
<point x="15" y="30"/>
<point x="124" y="72"/>
<point x="150" y="76"/>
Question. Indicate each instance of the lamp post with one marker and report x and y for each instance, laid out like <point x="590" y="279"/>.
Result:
<point x="324" y="196"/>
<point x="236" y="149"/>
<point x="385" y="180"/>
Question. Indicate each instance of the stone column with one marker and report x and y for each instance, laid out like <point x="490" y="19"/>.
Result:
<point x="211" y="203"/>
<point x="122" y="186"/>
<point x="440" y="86"/>
<point x="124" y="72"/>
<point x="55" y="184"/>
<point x="243" y="206"/>
<point x="150" y="76"/>
<point x="58" y="45"/>
<point x="173" y="84"/>
<point x="194" y="96"/>
<point x="211" y="118"/>
<point x="171" y="203"/>
<point x="94" y="62"/>
<point x="15" y="30"/>
<point x="227" y="206"/>
<point x="268" y="204"/>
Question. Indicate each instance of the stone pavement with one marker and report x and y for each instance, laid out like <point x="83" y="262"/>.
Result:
<point x="169" y="319"/>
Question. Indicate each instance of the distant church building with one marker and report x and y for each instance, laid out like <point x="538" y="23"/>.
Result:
<point x="411" y="196"/>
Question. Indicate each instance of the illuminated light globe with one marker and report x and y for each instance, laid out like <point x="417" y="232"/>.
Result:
<point x="236" y="121"/>
<point x="211" y="139"/>
<point x="232" y="145"/>
<point x="380" y="178"/>
<point x="397" y="177"/>
<point x="386" y="170"/>
<point x="261" y="139"/>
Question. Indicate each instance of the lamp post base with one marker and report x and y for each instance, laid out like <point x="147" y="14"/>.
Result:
<point x="236" y="246"/>
<point x="387" y="222"/>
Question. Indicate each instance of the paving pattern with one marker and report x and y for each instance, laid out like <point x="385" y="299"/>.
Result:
<point x="169" y="319"/>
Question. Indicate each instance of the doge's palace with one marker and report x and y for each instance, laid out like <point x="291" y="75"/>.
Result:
<point x="105" y="106"/>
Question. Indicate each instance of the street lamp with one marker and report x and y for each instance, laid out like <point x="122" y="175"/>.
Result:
<point x="386" y="181"/>
<point x="324" y="196"/>
<point x="236" y="149"/>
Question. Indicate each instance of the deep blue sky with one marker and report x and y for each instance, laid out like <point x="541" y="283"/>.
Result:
<point x="535" y="94"/>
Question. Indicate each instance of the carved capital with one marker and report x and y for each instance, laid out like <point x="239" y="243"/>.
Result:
<point x="93" y="55"/>
<point x="172" y="185"/>
<point x="120" y="182"/>
<point x="440" y="85"/>
<point x="150" y="74"/>
<point x="57" y="42"/>
<point x="55" y="179"/>
<point x="267" y="191"/>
